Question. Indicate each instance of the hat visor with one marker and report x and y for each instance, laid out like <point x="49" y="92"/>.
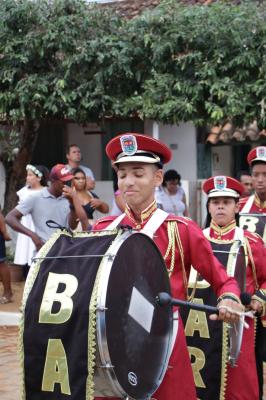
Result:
<point x="223" y="193"/>
<point x="66" y="178"/>
<point x="137" y="158"/>
<point x="263" y="160"/>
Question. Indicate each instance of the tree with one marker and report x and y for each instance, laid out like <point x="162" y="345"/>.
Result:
<point x="206" y="64"/>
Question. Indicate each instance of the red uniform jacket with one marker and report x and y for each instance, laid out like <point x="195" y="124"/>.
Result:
<point x="178" y="383"/>
<point x="256" y="207"/>
<point x="242" y="383"/>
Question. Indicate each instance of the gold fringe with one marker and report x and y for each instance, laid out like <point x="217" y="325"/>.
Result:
<point x="92" y="334"/>
<point x="173" y="239"/>
<point x="252" y="264"/>
<point x="224" y="371"/>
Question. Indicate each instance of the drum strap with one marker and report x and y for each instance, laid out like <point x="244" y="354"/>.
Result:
<point x="115" y="222"/>
<point x="156" y="220"/>
<point x="248" y="204"/>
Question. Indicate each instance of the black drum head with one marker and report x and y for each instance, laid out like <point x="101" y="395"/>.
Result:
<point x="138" y="330"/>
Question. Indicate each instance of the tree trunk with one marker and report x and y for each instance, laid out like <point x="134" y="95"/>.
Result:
<point x="16" y="171"/>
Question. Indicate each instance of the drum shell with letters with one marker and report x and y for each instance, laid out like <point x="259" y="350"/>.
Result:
<point x="132" y="333"/>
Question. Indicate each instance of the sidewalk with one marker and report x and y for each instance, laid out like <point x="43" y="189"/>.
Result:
<point x="9" y="361"/>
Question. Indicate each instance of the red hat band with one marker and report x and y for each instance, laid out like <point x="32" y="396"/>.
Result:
<point x="223" y="186"/>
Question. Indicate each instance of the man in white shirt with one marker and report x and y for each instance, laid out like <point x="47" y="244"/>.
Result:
<point x="74" y="156"/>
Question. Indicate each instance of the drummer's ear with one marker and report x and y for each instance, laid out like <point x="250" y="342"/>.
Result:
<point x="158" y="177"/>
<point x="237" y="207"/>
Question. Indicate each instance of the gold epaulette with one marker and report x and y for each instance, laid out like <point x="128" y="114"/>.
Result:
<point x="253" y="236"/>
<point x="109" y="218"/>
<point x="182" y="220"/>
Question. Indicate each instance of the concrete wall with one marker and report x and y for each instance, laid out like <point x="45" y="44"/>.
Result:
<point x="182" y="141"/>
<point x="222" y="160"/>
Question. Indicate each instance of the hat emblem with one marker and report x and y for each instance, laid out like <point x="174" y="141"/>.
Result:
<point x="65" y="171"/>
<point x="220" y="182"/>
<point x="261" y="152"/>
<point x="129" y="144"/>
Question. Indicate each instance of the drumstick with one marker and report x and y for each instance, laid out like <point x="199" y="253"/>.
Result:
<point x="164" y="299"/>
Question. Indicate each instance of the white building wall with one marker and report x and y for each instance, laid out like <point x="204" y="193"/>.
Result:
<point x="182" y="141"/>
<point x="90" y="146"/>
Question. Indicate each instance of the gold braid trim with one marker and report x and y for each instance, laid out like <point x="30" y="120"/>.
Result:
<point x="171" y="246"/>
<point x="224" y="361"/>
<point x="32" y="275"/>
<point x="92" y="334"/>
<point x="173" y="239"/>
<point x="181" y="252"/>
<point x="92" y="337"/>
<point x="252" y="264"/>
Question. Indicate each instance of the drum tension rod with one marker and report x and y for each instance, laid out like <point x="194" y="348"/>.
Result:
<point x="106" y="366"/>
<point x="101" y="308"/>
<point x="110" y="257"/>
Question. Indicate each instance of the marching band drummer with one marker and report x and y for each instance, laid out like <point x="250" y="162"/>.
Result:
<point x="139" y="160"/>
<point x="256" y="204"/>
<point x="223" y="207"/>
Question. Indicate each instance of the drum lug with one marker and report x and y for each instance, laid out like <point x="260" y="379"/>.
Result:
<point x="106" y="366"/>
<point x="101" y="308"/>
<point x="111" y="257"/>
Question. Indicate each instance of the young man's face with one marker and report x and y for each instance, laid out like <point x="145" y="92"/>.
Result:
<point x="246" y="181"/>
<point x="223" y="209"/>
<point x="137" y="182"/>
<point x="259" y="178"/>
<point x="74" y="154"/>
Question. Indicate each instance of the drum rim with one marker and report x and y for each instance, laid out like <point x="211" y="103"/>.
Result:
<point x="101" y="318"/>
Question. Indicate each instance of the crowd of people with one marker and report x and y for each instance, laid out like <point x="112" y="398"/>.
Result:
<point x="143" y="195"/>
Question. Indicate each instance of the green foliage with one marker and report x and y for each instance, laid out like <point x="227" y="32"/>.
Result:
<point x="63" y="59"/>
<point x="207" y="64"/>
<point x="54" y="57"/>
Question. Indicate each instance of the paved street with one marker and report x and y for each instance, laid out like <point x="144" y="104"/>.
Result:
<point x="9" y="362"/>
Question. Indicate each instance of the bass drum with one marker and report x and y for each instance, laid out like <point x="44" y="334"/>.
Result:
<point x="92" y="326"/>
<point x="133" y="332"/>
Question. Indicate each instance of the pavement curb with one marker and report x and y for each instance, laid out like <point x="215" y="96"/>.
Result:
<point x="9" y="318"/>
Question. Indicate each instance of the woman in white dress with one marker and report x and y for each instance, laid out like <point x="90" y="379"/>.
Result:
<point x="36" y="180"/>
<point x="171" y="196"/>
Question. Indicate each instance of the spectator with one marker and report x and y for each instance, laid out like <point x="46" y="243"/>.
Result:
<point x="171" y="195"/>
<point x="57" y="202"/>
<point x="36" y="180"/>
<point x="245" y="178"/>
<point x="89" y="200"/>
<point x="74" y="156"/>
<point x="4" y="270"/>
